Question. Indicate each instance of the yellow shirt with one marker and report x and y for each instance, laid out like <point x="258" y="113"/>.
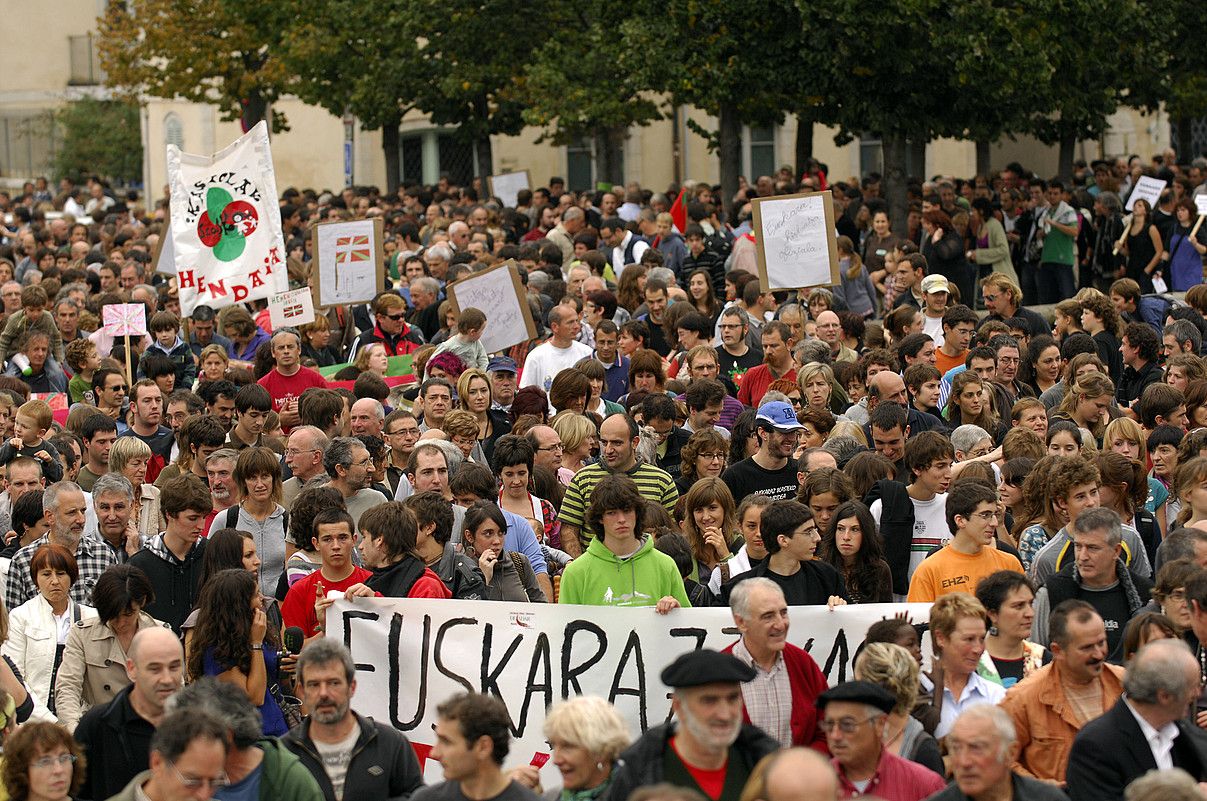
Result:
<point x="947" y="570"/>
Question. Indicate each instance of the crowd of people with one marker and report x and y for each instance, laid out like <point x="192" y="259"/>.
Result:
<point x="182" y="510"/>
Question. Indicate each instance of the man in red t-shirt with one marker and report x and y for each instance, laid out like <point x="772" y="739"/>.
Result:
<point x="306" y="602"/>
<point x="289" y="379"/>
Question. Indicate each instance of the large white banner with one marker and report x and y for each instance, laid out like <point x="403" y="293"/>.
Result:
<point x="412" y="654"/>
<point x="226" y="224"/>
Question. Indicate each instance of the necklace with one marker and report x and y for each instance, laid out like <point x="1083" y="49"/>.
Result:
<point x="896" y="736"/>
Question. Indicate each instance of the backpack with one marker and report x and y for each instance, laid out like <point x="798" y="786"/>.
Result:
<point x="896" y="528"/>
<point x="232" y="519"/>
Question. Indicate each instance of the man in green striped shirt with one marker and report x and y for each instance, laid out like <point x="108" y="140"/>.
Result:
<point x="617" y="446"/>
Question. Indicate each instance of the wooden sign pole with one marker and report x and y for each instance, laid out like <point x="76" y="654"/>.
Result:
<point x="129" y="367"/>
<point x="1127" y="226"/>
<point x="1194" y="231"/>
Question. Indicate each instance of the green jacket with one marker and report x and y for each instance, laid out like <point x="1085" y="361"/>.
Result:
<point x="283" y="777"/>
<point x="599" y="578"/>
<point x="16" y="326"/>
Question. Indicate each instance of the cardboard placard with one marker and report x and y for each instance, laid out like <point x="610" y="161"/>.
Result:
<point x="497" y="293"/>
<point x="348" y="262"/>
<point x="507" y="185"/>
<point x="795" y="241"/>
<point x="1147" y="188"/>
<point x="125" y="319"/>
<point x="1200" y="204"/>
<point x="291" y="309"/>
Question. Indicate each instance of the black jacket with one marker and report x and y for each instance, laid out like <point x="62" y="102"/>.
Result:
<point x="1134" y="381"/>
<point x="117" y="743"/>
<point x="641" y="764"/>
<point x="396" y="580"/>
<point x="175" y="582"/>
<point x="896" y="528"/>
<point x="383" y="765"/>
<point x="674" y="445"/>
<point x="1111" y="751"/>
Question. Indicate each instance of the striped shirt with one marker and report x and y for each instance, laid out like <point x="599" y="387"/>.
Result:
<point x="654" y="484"/>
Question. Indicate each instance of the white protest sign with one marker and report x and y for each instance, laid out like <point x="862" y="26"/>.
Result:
<point x="124" y="319"/>
<point x="1147" y="188"/>
<point x="165" y="255"/>
<point x="794" y="241"/>
<point x="291" y="309"/>
<point x="1200" y="204"/>
<point x="497" y="293"/>
<point x="226" y="224"/>
<point x="506" y="186"/>
<point x="412" y="654"/>
<point x="348" y="256"/>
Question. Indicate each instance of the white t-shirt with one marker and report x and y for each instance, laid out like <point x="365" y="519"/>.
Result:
<point x="546" y="361"/>
<point x="934" y="327"/>
<point x="336" y="758"/>
<point x="930" y="528"/>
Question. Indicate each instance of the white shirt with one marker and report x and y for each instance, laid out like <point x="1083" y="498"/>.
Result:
<point x="738" y="564"/>
<point x="1160" y="741"/>
<point x="934" y="327"/>
<point x="976" y="691"/>
<point x="547" y="360"/>
<point x="618" y="260"/>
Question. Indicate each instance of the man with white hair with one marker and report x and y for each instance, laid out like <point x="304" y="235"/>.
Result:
<point x="425" y="298"/>
<point x="1145" y="730"/>
<point x="573" y="221"/>
<point x="783" y="671"/>
<point x="708" y="738"/>
<point x="458" y="235"/>
<point x="854" y="717"/>
<point x="982" y="745"/>
<point x="304" y="456"/>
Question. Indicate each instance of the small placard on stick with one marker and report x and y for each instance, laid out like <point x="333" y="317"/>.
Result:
<point x="497" y="293"/>
<point x="124" y="319"/>
<point x="795" y="242"/>
<point x="347" y="262"/>
<point x="1147" y="188"/>
<point x="291" y="309"/>
<point x="507" y="186"/>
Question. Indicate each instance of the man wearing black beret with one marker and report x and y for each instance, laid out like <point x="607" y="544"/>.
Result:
<point x="708" y="749"/>
<point x="854" y="715"/>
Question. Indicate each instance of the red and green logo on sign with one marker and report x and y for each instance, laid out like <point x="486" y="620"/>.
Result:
<point x="226" y="223"/>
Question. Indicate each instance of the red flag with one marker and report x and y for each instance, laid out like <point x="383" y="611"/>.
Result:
<point x="679" y="211"/>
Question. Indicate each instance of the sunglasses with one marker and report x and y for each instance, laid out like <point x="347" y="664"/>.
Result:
<point x="396" y="317"/>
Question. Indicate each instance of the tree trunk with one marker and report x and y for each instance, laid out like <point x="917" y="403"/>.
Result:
<point x="894" y="145"/>
<point x="982" y="157"/>
<point x="1185" y="143"/>
<point x="255" y="109"/>
<point x="392" y="151"/>
<point x="804" y="142"/>
<point x="917" y="153"/>
<point x="1064" y="164"/>
<point x="730" y="152"/>
<point x="485" y="154"/>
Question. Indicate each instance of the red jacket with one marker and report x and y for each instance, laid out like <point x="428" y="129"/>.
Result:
<point x="807" y="682"/>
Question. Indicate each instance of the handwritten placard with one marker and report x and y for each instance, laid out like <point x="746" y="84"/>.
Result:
<point x="348" y="261"/>
<point x="124" y="319"/>
<point x="497" y="293"/>
<point x="1147" y="188"/>
<point x="794" y="241"/>
<point x="1200" y="205"/>
<point x="291" y="309"/>
<point x="507" y="186"/>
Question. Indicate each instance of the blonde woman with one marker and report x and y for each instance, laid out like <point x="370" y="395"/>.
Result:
<point x="893" y="668"/>
<point x="587" y="736"/>
<point x="816" y="382"/>
<point x="129" y="457"/>
<point x="1086" y="402"/>
<point x="579" y="437"/>
<point x="213" y="363"/>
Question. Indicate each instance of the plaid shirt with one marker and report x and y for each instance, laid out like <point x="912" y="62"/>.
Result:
<point x="768" y="696"/>
<point x="92" y="556"/>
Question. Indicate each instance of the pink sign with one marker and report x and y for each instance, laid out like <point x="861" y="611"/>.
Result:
<point x="125" y="319"/>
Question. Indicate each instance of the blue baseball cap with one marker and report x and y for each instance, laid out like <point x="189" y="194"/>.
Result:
<point x="779" y="415"/>
<point x="501" y="364"/>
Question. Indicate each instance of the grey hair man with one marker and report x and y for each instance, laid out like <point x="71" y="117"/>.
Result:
<point x="348" y="464"/>
<point x="966" y="439"/>
<point x="983" y="745"/>
<point x="304" y="454"/>
<point x="367" y="418"/>
<point x="782" y="670"/>
<point x="113" y="501"/>
<point x="377" y="759"/>
<point x="66" y="510"/>
<point x="257" y="763"/>
<point x="1145" y="729"/>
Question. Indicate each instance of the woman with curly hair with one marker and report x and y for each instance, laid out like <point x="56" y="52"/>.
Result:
<point x="704" y="455"/>
<point x="42" y="762"/>
<point x="234" y="642"/>
<point x="1101" y="321"/>
<point x="711" y="525"/>
<point x="852" y="546"/>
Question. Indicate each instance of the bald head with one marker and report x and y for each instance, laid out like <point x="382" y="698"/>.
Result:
<point x="367" y="417"/>
<point x="152" y="643"/>
<point x="887" y="386"/>
<point x="800" y="774"/>
<point x="829" y="329"/>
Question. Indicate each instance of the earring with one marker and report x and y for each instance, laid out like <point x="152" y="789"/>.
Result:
<point x="993" y="631"/>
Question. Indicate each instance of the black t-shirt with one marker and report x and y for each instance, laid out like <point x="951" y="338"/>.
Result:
<point x="1112" y="606"/>
<point x="812" y="585"/>
<point x="747" y="478"/>
<point x="734" y="367"/>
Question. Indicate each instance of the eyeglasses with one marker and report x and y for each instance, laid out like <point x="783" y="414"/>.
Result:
<point x="368" y="460"/>
<point x="555" y="447"/>
<point x="713" y="457"/>
<point x="299" y="452"/>
<point x="196" y="783"/>
<point x="845" y="725"/>
<point x="403" y="432"/>
<point x="395" y="317"/>
<point x="50" y="761"/>
<point x="986" y="516"/>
